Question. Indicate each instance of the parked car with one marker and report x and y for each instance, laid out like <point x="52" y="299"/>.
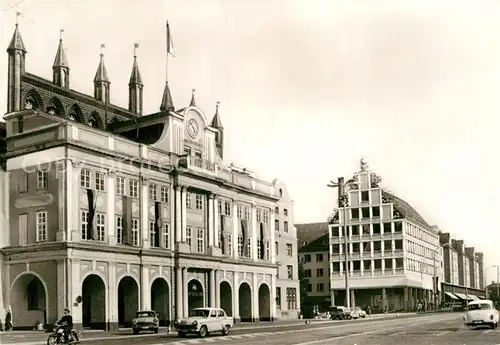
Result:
<point x="340" y="313"/>
<point x="145" y="320"/>
<point x="361" y="313"/>
<point x="204" y="321"/>
<point x="481" y="313"/>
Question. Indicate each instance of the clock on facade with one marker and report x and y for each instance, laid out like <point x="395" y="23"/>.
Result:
<point x="192" y="128"/>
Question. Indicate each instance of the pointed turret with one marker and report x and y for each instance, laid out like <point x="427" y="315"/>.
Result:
<point x="16" y="64"/>
<point x="219" y="136"/>
<point x="193" y="102"/>
<point x="101" y="81"/>
<point x="167" y="104"/>
<point x="135" y="86"/>
<point x="60" y="69"/>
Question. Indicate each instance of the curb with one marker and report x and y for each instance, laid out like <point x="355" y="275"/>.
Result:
<point x="277" y="325"/>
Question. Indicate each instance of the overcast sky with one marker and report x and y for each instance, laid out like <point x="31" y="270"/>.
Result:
<point x="308" y="87"/>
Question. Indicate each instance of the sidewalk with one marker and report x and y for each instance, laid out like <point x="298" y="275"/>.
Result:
<point x="40" y="337"/>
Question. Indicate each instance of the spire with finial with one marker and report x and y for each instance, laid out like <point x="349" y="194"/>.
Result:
<point x="135" y="86"/>
<point x="101" y="80"/>
<point x="16" y="63"/>
<point x="219" y="135"/>
<point x="167" y="104"/>
<point x="60" y="68"/>
<point x="193" y="102"/>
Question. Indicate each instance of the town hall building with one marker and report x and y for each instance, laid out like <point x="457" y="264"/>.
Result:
<point x="106" y="210"/>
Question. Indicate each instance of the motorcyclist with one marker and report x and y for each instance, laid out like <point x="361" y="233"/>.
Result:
<point x="66" y="323"/>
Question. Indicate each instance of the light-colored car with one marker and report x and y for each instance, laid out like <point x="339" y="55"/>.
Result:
<point x="145" y="320"/>
<point x="204" y="321"/>
<point x="481" y="313"/>
<point x="361" y="313"/>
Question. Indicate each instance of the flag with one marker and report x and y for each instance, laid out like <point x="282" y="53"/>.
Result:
<point x="103" y="45"/>
<point x="170" y="43"/>
<point x="136" y="45"/>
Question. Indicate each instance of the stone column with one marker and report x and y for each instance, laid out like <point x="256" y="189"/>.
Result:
<point x="253" y="224"/>
<point x="212" y="288"/>
<point x="145" y="289"/>
<point x="216" y="222"/>
<point x="113" y="298"/>
<point x="353" y="299"/>
<point x="217" y="289"/>
<point x="405" y="294"/>
<point x="110" y="207"/>
<point x="172" y="229"/>
<point x="144" y="212"/>
<point x="76" y="287"/>
<point x="332" y="298"/>
<point x="384" y="298"/>
<point x="185" y="292"/>
<point x="61" y="288"/>
<point x="274" y="313"/>
<point x="179" y="301"/>
<point x="210" y="220"/>
<point x="236" y="301"/>
<point x="183" y="213"/>
<point x="255" y="298"/>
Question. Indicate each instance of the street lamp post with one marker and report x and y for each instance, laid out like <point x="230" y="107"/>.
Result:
<point x="342" y="204"/>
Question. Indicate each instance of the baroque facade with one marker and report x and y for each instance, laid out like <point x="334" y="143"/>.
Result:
<point x="393" y="253"/>
<point x="110" y="211"/>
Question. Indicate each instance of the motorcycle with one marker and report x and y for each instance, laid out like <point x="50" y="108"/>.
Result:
<point x="57" y="337"/>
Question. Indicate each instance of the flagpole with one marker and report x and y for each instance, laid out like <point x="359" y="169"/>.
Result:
<point x="166" y="47"/>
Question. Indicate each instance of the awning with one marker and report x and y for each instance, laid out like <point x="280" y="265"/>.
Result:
<point x="460" y="295"/>
<point x="449" y="294"/>
<point x="482" y="297"/>
<point x="473" y="297"/>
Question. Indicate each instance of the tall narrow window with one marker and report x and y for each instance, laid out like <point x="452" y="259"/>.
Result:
<point x="240" y="246"/>
<point x="135" y="232"/>
<point x="166" y="236"/>
<point x="99" y="181"/>
<point x="119" y="229"/>
<point x="84" y="225"/>
<point x="291" y="298"/>
<point x="188" y="200"/>
<point x="23" y="229"/>
<point x="188" y="236"/>
<point x="164" y="194"/>
<point x="152" y="189"/>
<point x="268" y="251"/>
<point x="101" y="227"/>
<point x="85" y="178"/>
<point x="153" y="235"/>
<point x="229" y="245"/>
<point x="200" y="240"/>
<point x="199" y="202"/>
<point x="120" y="185"/>
<point x="41" y="226"/>
<point x="134" y="188"/>
<point x="259" y="250"/>
<point x="41" y="179"/>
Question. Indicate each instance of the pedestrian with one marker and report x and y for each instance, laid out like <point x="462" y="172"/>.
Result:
<point x="8" y="320"/>
<point x="369" y="308"/>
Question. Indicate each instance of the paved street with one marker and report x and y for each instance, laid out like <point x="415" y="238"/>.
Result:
<point x="438" y="329"/>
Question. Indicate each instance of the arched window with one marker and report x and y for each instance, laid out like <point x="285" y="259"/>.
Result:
<point x="92" y="122"/>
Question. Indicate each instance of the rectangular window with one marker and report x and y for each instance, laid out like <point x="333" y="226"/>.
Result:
<point x="239" y="211"/>
<point x="200" y="240"/>
<point x="285" y="212"/>
<point x="188" y="236"/>
<point x="187" y="150"/>
<point x="41" y="226"/>
<point x="307" y="257"/>
<point x="309" y="287"/>
<point x="41" y="179"/>
<point x="164" y="194"/>
<point x="152" y="191"/>
<point x="84" y="225"/>
<point x="85" y="178"/>
<point x="249" y="248"/>
<point x="319" y="287"/>
<point x="276" y="225"/>
<point x="22" y="183"/>
<point x="364" y="196"/>
<point x="268" y="251"/>
<point x="266" y="216"/>
<point x="319" y="272"/>
<point x="247" y="213"/>
<point x="259" y="216"/>
<point x="289" y="249"/>
<point x="101" y="227"/>
<point x="119" y="229"/>
<point x="229" y="245"/>
<point x="289" y="270"/>
<point x="152" y="235"/>
<point x="259" y="250"/>
<point x="291" y="298"/>
<point x="319" y="257"/>
<point x="135" y="232"/>
<point x="278" y="297"/>
<point x="99" y="181"/>
<point x="240" y="246"/>
<point x="276" y="245"/>
<point x="285" y="226"/>
<point x="219" y="204"/>
<point x="166" y="236"/>
<point x="188" y="200"/>
<point x="134" y="188"/>
<point x="227" y="208"/>
<point x="120" y="185"/>
<point x="199" y="202"/>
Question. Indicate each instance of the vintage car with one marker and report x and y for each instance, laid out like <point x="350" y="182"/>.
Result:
<point x="145" y="320"/>
<point x="203" y="321"/>
<point x="342" y="313"/>
<point x="481" y="313"/>
<point x="360" y="312"/>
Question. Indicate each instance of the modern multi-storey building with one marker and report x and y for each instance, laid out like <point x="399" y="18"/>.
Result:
<point x="393" y="253"/>
<point x="463" y="270"/>
<point x="287" y="282"/>
<point x="110" y="210"/>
